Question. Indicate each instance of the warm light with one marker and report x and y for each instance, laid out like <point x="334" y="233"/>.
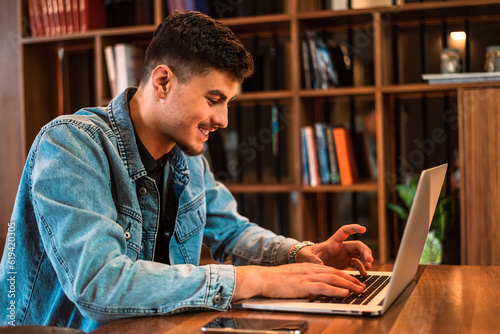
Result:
<point x="458" y="35"/>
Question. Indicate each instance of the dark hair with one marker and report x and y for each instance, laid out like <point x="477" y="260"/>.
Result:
<point x="191" y="43"/>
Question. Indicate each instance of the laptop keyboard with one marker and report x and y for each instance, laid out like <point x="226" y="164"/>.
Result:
<point x="374" y="283"/>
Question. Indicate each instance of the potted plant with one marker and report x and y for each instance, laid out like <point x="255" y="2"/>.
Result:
<point x="445" y="215"/>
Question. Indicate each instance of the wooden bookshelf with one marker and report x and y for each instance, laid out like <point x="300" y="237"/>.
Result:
<point x="384" y="81"/>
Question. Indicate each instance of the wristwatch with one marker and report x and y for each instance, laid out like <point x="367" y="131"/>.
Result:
<point x="296" y="248"/>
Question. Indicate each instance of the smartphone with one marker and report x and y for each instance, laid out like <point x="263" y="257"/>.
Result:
<point x="255" y="325"/>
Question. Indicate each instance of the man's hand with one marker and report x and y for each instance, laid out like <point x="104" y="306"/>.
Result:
<point x="295" y="280"/>
<point x="338" y="253"/>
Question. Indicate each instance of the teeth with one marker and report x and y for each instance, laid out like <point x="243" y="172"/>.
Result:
<point x="205" y="132"/>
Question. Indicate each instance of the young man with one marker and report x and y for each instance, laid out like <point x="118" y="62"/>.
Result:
<point x="115" y="203"/>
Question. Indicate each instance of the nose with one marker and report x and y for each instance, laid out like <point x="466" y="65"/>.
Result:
<point x="220" y="117"/>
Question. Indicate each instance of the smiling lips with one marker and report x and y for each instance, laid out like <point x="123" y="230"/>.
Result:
<point x="206" y="130"/>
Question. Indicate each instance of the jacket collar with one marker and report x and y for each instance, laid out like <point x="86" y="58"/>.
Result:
<point x="121" y="124"/>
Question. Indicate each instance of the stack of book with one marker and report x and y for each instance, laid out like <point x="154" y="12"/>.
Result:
<point x="332" y="155"/>
<point x="59" y="17"/>
<point x="325" y="64"/>
<point x="227" y="8"/>
<point x="124" y="66"/>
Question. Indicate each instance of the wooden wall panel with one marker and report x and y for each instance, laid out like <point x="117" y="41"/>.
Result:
<point x="479" y="129"/>
<point x="11" y="129"/>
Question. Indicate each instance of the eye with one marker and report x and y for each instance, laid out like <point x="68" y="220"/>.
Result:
<point x="212" y="102"/>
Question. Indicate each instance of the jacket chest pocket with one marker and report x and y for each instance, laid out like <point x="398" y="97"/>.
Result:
<point x="132" y="233"/>
<point x="191" y="219"/>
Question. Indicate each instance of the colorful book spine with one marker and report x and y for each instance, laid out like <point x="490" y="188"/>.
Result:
<point x="322" y="152"/>
<point x="332" y="157"/>
<point x="305" y="161"/>
<point x="345" y="156"/>
<point x="312" y="157"/>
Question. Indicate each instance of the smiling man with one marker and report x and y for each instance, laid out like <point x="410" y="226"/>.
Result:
<point x="115" y="203"/>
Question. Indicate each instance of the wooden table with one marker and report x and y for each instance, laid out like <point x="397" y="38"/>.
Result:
<point x="441" y="299"/>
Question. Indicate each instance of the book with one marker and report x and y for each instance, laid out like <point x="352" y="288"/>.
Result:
<point x="312" y="157"/>
<point x="35" y="17"/>
<point x="75" y="15"/>
<point x="128" y="63"/>
<point x="322" y="152"/>
<point x="61" y="13"/>
<point x="305" y="159"/>
<point x="92" y="14"/>
<point x="54" y="16"/>
<point x="144" y="10"/>
<point x="327" y="72"/>
<point x="442" y="78"/>
<point x="173" y="5"/>
<point x="314" y="66"/>
<point x="306" y="65"/>
<point x="203" y="6"/>
<point x="68" y="12"/>
<point x="339" y="4"/>
<point x="59" y="17"/>
<point x="345" y="156"/>
<point x="190" y="5"/>
<point x="109" y="56"/>
<point x="358" y="4"/>
<point x="47" y="17"/>
<point x="332" y="156"/>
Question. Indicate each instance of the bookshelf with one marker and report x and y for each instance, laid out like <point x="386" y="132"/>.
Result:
<point x="386" y="74"/>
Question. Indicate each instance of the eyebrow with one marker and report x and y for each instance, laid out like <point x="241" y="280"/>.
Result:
<point x="220" y="94"/>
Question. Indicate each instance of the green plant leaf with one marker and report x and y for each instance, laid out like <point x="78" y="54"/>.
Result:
<point x="433" y="252"/>
<point x="398" y="209"/>
<point x="406" y="192"/>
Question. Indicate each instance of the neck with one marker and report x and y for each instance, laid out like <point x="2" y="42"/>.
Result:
<point x="140" y="109"/>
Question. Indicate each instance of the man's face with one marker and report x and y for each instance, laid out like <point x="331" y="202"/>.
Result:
<point x="195" y="108"/>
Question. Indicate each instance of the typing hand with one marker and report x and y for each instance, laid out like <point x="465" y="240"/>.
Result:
<point x="338" y="253"/>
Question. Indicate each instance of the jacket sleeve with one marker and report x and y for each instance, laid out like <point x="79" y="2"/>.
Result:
<point x="229" y="233"/>
<point x="77" y="219"/>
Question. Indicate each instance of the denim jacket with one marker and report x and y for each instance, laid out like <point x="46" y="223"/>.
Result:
<point x="80" y="245"/>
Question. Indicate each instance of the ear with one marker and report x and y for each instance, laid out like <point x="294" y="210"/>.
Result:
<point x="161" y="79"/>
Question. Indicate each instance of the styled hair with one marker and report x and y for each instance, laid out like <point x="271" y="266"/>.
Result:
<point x="192" y="43"/>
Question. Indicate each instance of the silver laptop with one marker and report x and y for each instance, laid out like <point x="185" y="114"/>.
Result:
<point x="382" y="287"/>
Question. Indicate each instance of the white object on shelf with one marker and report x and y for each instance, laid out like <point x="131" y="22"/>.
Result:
<point x="461" y="77"/>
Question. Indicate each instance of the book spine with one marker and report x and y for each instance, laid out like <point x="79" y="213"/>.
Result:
<point x="75" y="13"/>
<point x="111" y="69"/>
<point x="306" y="65"/>
<point x="92" y="14"/>
<point x="33" y="17"/>
<point x="69" y="16"/>
<point x="202" y="6"/>
<point x="305" y="162"/>
<point x="54" y="15"/>
<point x="121" y="67"/>
<point x="332" y="157"/>
<point x="47" y="17"/>
<point x="190" y="5"/>
<point x="82" y="8"/>
<point x="315" y="74"/>
<point x="345" y="155"/>
<point x="312" y="156"/>
<point x="44" y="17"/>
<point x="321" y="148"/>
<point x="62" y="16"/>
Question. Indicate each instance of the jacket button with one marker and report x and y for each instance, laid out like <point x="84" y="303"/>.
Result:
<point x="128" y="235"/>
<point x="217" y="299"/>
<point x="143" y="191"/>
